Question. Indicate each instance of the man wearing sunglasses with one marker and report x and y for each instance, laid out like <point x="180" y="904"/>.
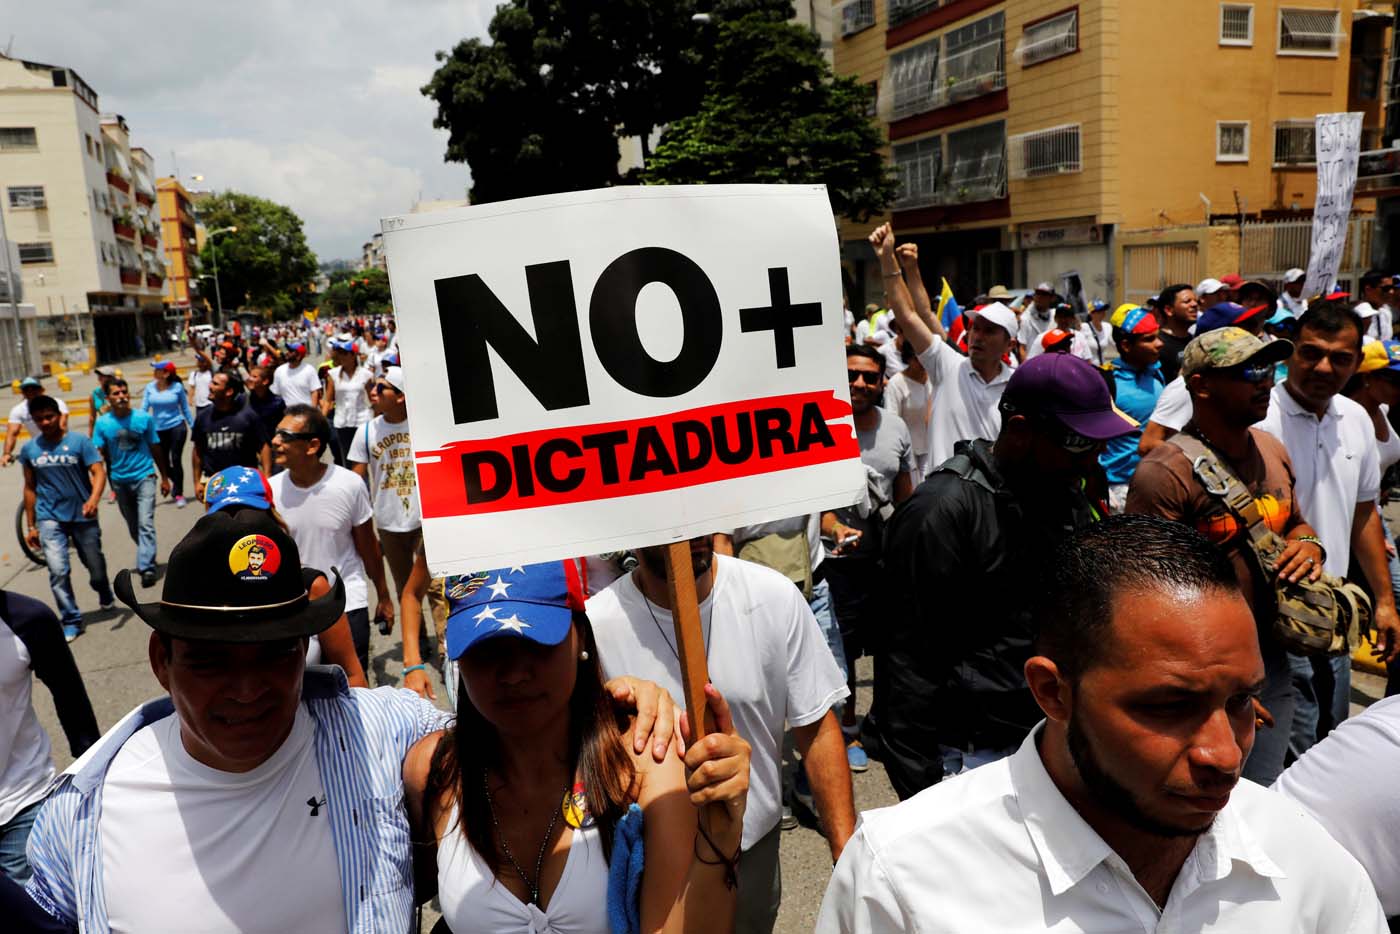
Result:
<point x="960" y="559"/>
<point x="1230" y="374"/>
<point x="1332" y="443"/>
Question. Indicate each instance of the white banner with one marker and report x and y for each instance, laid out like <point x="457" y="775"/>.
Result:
<point x="1338" y="147"/>
<point x="611" y="369"/>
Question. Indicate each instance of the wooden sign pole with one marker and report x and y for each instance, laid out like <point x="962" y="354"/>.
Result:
<point x="690" y="636"/>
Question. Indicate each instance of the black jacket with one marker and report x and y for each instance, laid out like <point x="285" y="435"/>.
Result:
<point x="963" y="557"/>
<point x="49" y="657"/>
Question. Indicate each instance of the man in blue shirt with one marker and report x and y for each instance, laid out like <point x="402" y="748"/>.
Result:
<point x="129" y="442"/>
<point x="1137" y="382"/>
<point x="63" y="481"/>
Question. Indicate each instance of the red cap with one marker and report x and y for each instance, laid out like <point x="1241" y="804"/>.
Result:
<point x="1232" y="280"/>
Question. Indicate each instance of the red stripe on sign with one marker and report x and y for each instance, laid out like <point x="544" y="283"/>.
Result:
<point x="591" y="462"/>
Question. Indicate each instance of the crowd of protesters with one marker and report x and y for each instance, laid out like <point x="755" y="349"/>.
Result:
<point x="1081" y="567"/>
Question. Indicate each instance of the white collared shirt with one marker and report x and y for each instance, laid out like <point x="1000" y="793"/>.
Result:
<point x="1000" y="849"/>
<point x="965" y="405"/>
<point x="1336" y="463"/>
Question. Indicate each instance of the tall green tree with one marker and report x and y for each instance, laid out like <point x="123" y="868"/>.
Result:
<point x="773" y="112"/>
<point x="265" y="264"/>
<point x="539" y="107"/>
<point x="359" y="292"/>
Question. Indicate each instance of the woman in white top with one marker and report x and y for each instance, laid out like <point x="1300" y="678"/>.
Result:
<point x="347" y="392"/>
<point x="515" y="806"/>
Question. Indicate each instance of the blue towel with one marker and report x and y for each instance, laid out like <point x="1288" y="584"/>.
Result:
<point x="625" y="875"/>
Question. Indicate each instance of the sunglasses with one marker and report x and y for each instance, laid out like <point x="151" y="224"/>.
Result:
<point x="381" y="387"/>
<point x="1250" y="372"/>
<point x="286" y="434"/>
<point x="869" y="378"/>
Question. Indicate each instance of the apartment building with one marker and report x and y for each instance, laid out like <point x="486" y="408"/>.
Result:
<point x="1108" y="146"/>
<point x="178" y="228"/>
<point x="80" y="202"/>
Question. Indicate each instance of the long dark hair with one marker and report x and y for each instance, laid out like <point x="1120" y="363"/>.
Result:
<point x="596" y="755"/>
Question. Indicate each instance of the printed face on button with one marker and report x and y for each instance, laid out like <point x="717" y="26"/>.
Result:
<point x="254" y="557"/>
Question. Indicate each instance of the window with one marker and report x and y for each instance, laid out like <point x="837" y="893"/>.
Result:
<point x="857" y="15"/>
<point x="1232" y="141"/>
<point x="912" y="75"/>
<point x="26" y="196"/>
<point x="973" y="62"/>
<point x="1049" y="38"/>
<point x="872" y="103"/>
<point x="35" y="252"/>
<point x="18" y="137"/>
<point x="60" y="78"/>
<point x="1236" y="24"/>
<point x="977" y="163"/>
<point x="89" y="142"/>
<point x="1295" y="143"/>
<point x="1308" y="32"/>
<point x="918" y="166"/>
<point x="904" y="10"/>
<point x="1045" y="152"/>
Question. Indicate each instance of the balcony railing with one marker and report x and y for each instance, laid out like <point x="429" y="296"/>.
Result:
<point x="923" y="83"/>
<point x="117" y="182"/>
<point x="153" y="280"/>
<point x="150" y="239"/>
<point x="901" y="11"/>
<point x="123" y="230"/>
<point x="130" y="275"/>
<point x="922" y="185"/>
<point x="143" y="198"/>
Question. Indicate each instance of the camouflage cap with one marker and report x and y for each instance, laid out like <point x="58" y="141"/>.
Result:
<point x="1227" y="347"/>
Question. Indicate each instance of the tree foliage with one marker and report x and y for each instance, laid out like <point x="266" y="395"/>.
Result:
<point x="265" y="264"/>
<point x="357" y="292"/>
<point x="539" y="107"/>
<point x="773" y="112"/>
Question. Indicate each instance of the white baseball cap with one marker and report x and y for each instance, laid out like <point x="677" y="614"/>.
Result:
<point x="999" y="314"/>
<point x="1293" y="275"/>
<point x="1045" y="287"/>
<point x="1207" y="286"/>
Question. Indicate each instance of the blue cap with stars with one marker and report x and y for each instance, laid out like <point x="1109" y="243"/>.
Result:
<point x="533" y="601"/>
<point x="237" y="486"/>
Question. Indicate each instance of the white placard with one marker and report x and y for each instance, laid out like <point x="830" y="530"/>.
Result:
<point x="1338" y="147"/>
<point x="611" y="369"/>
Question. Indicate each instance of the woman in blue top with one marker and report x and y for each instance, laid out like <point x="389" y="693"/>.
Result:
<point x="168" y="402"/>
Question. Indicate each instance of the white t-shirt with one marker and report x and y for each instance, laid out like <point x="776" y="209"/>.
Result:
<point x="321" y="518"/>
<point x="1033" y="325"/>
<point x="26" y="765"/>
<point x="913" y="402"/>
<point x="965" y="406"/>
<point x="199" y="386"/>
<point x="1173" y="409"/>
<point x="187" y="847"/>
<point x="1389" y="449"/>
<point x="1336" y="464"/>
<point x="19" y="415"/>
<point x="385" y="447"/>
<point x="1346" y="781"/>
<point x="1093" y="345"/>
<point x="1376" y="322"/>
<point x="351" y="400"/>
<point x="766" y="655"/>
<point x="295" y="386"/>
<point x="1000" y="849"/>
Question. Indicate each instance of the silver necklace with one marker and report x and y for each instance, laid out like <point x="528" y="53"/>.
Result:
<point x="534" y="887"/>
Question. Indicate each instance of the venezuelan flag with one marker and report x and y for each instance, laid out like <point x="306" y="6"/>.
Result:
<point x="948" y="309"/>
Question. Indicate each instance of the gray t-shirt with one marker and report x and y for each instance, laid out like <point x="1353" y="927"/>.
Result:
<point x="886" y="450"/>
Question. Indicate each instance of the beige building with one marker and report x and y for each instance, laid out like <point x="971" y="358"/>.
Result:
<point x="1108" y="146"/>
<point x="80" y="202"/>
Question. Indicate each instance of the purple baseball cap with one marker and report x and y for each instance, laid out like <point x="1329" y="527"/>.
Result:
<point x="1071" y="390"/>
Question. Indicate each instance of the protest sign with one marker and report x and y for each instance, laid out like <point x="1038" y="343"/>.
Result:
<point x="1338" y="145"/>
<point x="618" y="368"/>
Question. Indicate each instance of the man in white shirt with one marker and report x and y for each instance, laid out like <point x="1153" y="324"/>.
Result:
<point x="1376" y="316"/>
<point x="968" y="388"/>
<point x="1332" y="444"/>
<point x="296" y="381"/>
<point x="327" y="510"/>
<point x="768" y="657"/>
<point x="1123" y="810"/>
<point x="1291" y="299"/>
<point x="30" y="388"/>
<point x="1037" y="319"/>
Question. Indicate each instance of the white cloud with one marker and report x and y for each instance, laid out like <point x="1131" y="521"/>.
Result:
<point x="314" y="104"/>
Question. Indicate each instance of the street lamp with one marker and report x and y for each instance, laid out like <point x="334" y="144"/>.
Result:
<point x="213" y="251"/>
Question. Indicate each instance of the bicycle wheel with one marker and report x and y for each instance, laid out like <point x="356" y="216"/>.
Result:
<point x="33" y="554"/>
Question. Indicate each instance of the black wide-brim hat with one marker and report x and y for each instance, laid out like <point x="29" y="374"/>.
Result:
<point x="237" y="578"/>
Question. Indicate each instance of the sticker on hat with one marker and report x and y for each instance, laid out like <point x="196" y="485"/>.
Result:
<point x="461" y="586"/>
<point x="254" y="557"/>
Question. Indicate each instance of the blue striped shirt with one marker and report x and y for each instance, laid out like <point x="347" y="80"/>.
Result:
<point x="362" y="737"/>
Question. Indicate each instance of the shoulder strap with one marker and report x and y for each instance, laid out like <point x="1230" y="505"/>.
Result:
<point x="1220" y="481"/>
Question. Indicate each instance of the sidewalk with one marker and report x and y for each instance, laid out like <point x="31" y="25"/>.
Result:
<point x="136" y="371"/>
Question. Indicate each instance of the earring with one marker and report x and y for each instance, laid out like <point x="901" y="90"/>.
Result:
<point x="583" y="656"/>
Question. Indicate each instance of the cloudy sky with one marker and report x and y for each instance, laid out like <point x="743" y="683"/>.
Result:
<point x="312" y="103"/>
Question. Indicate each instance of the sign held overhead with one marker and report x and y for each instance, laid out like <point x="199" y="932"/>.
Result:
<point x="624" y="367"/>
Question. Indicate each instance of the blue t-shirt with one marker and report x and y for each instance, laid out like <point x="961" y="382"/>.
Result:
<point x="1135" y="392"/>
<point x="127" y="442"/>
<point x="170" y="406"/>
<point x="61" y="477"/>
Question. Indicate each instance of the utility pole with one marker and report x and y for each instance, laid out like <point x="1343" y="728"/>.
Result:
<point x="11" y="290"/>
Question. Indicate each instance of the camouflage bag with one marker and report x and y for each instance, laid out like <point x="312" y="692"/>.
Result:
<point x="1328" y="616"/>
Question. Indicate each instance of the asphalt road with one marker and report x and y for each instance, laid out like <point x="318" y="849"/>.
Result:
<point x="112" y="655"/>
